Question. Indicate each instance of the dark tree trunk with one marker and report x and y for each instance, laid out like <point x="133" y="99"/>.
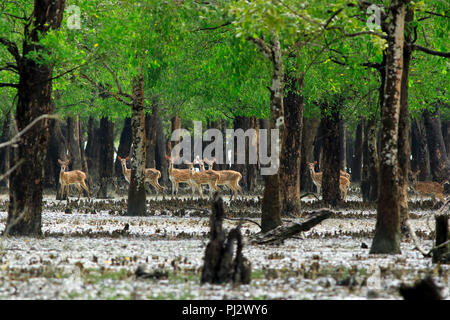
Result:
<point x="290" y="159"/>
<point x="150" y="131"/>
<point x="124" y="146"/>
<point x="318" y="145"/>
<point x="446" y="134"/>
<point x="176" y="124"/>
<point x="358" y="153"/>
<point x="57" y="149"/>
<point x="160" y="152"/>
<point x="349" y="147"/>
<point x="106" y="159"/>
<point x="404" y="150"/>
<point x="439" y="163"/>
<point x="331" y="152"/>
<point x="419" y="144"/>
<point x="241" y="122"/>
<point x="441" y="254"/>
<point x="73" y="143"/>
<point x="93" y="151"/>
<point x="252" y="169"/>
<point x="4" y="152"/>
<point x="387" y="229"/>
<point x="309" y="130"/>
<point x="342" y="145"/>
<point x="136" y="191"/>
<point x="34" y="99"/>
<point x="370" y="178"/>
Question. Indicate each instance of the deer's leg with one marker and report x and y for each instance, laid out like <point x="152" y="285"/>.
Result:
<point x="79" y="190"/>
<point x="85" y="187"/>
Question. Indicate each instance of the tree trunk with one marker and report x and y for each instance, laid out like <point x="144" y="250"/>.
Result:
<point x="34" y="99"/>
<point x="446" y="134"/>
<point x="124" y="146"/>
<point x="291" y="156"/>
<point x="106" y="159"/>
<point x="176" y="124"/>
<point x="342" y="145"/>
<point x="73" y="143"/>
<point x="369" y="182"/>
<point x="57" y="149"/>
<point x="358" y="152"/>
<point x="252" y="169"/>
<point x="309" y="131"/>
<point x="271" y="205"/>
<point x="241" y="122"/>
<point x="331" y="193"/>
<point x="404" y="150"/>
<point x="387" y="229"/>
<point x="160" y="152"/>
<point x="150" y="131"/>
<point x="4" y="152"/>
<point x="93" y="151"/>
<point x="439" y="163"/>
<point x="420" y="149"/>
<point x="136" y="191"/>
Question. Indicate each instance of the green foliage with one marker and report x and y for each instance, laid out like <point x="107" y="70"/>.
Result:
<point x="198" y="61"/>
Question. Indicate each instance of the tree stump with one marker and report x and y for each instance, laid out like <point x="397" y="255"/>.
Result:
<point x="219" y="265"/>
<point x="441" y="252"/>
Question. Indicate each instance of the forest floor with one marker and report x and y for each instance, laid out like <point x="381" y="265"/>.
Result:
<point x="85" y="253"/>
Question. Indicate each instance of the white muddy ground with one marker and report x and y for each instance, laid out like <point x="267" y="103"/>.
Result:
<point x="81" y="257"/>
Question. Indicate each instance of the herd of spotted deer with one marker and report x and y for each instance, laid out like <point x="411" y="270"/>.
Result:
<point x="230" y="178"/>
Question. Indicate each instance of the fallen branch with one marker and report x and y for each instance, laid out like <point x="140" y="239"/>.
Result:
<point x="416" y="240"/>
<point x="279" y="234"/>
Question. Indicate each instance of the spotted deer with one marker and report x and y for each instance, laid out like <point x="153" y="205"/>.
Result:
<point x="152" y="175"/>
<point x="229" y="178"/>
<point x="177" y="176"/>
<point x="76" y="177"/>
<point x="427" y="188"/>
<point x="198" y="178"/>
<point x="316" y="177"/>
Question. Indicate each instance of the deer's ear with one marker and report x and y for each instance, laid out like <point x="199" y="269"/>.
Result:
<point x="127" y="158"/>
<point x="118" y="157"/>
<point x="60" y="162"/>
<point x="214" y="160"/>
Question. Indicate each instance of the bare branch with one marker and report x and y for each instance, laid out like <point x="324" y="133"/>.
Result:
<point x="13" y="85"/>
<point x="262" y="46"/>
<point x="431" y="51"/>
<point x="103" y="90"/>
<point x="7" y="173"/>
<point x="11" y="47"/>
<point x="372" y="33"/>
<point x="213" y="28"/>
<point x="16" y="138"/>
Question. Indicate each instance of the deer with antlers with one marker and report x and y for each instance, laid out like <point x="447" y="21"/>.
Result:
<point x="427" y="188"/>
<point x="76" y="177"/>
<point x="152" y="175"/>
<point x="316" y="177"/>
<point x="198" y="178"/>
<point x="177" y="176"/>
<point x="229" y="178"/>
